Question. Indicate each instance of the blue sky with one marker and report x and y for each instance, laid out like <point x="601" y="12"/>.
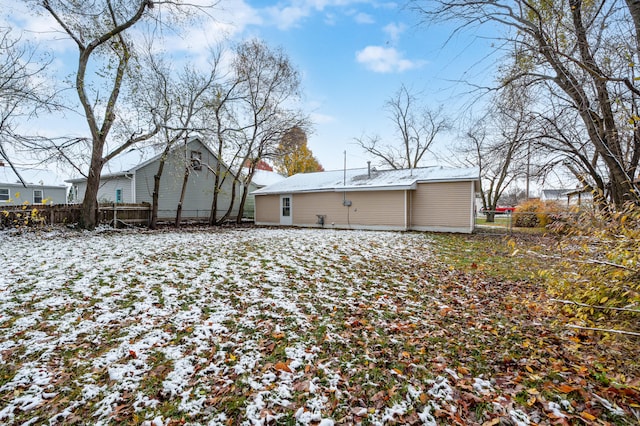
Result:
<point x="353" y="55"/>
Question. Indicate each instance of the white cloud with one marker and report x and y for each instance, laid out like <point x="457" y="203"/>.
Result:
<point x="287" y="17"/>
<point x="291" y="15"/>
<point x="227" y="21"/>
<point x="330" y="19"/>
<point x="394" y="30"/>
<point x="364" y="18"/>
<point x="318" y="118"/>
<point x="385" y="60"/>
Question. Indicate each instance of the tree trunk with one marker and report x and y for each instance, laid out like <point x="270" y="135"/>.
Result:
<point x="182" y="194"/>
<point x="491" y="216"/>
<point x="243" y="200"/>
<point x="634" y="10"/>
<point x="245" y="192"/>
<point x="156" y="189"/>
<point x="89" y="212"/>
<point x="612" y="154"/>
<point x="232" y="201"/>
<point x="216" y="190"/>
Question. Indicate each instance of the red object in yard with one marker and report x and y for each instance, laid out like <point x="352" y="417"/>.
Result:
<point x="499" y="210"/>
<point x="505" y="209"/>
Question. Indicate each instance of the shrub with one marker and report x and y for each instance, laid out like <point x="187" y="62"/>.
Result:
<point x="21" y="217"/>
<point x="601" y="256"/>
<point x="535" y="214"/>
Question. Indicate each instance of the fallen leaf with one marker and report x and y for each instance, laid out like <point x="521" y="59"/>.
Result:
<point x="566" y="388"/>
<point x="281" y="366"/>
<point x="463" y="370"/>
<point x="588" y="416"/>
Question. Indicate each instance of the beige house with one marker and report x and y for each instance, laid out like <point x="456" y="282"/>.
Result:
<point x="424" y="199"/>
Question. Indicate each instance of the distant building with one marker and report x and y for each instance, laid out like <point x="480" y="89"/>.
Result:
<point x="568" y="197"/>
<point x="30" y="186"/>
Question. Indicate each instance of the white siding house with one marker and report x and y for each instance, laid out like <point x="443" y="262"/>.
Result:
<point x="129" y="178"/>
<point x="30" y="186"/>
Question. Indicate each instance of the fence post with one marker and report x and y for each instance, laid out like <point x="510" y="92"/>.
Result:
<point x="510" y="227"/>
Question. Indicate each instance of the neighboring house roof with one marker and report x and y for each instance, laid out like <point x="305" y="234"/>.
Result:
<point x="30" y="176"/>
<point x="125" y="163"/>
<point x="361" y="180"/>
<point x="133" y="159"/>
<point x="262" y="178"/>
<point x="555" y="194"/>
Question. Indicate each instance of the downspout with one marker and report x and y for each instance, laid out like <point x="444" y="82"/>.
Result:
<point x="133" y="188"/>
<point x="406" y="212"/>
<point x="473" y="205"/>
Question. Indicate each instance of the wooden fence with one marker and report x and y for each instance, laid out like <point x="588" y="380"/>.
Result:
<point x="112" y="214"/>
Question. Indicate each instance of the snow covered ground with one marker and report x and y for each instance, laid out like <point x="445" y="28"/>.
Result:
<point x="242" y="326"/>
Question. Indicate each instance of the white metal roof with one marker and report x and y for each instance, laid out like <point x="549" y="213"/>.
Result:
<point x="360" y="180"/>
<point x="31" y="176"/>
<point x="263" y="178"/>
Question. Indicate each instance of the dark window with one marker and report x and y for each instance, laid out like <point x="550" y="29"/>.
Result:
<point x="286" y="207"/>
<point x="37" y="196"/>
<point x="4" y="194"/>
<point x="196" y="160"/>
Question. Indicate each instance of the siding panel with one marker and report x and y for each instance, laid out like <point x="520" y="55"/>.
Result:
<point x="442" y="205"/>
<point x="107" y="190"/>
<point x="369" y="209"/>
<point x="306" y="207"/>
<point x="267" y="209"/>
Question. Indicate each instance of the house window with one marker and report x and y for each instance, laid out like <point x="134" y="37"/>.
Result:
<point x="119" y="195"/>
<point x="37" y="196"/>
<point x="286" y="206"/>
<point x="196" y="160"/>
<point x="4" y="194"/>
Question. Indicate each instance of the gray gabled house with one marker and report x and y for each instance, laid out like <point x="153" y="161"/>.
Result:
<point x="129" y="178"/>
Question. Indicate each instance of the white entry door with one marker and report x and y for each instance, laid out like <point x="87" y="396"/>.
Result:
<point x="286" y="213"/>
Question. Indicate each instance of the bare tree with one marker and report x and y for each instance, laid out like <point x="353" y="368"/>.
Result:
<point x="222" y="115"/>
<point x="500" y="145"/>
<point x="175" y="101"/>
<point x="23" y="92"/>
<point x="560" y="134"/>
<point x="268" y="86"/>
<point x="496" y="156"/>
<point x="416" y="126"/>
<point x="576" y="47"/>
<point x="100" y="31"/>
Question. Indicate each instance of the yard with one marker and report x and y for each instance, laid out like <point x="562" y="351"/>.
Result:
<point x="272" y="326"/>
